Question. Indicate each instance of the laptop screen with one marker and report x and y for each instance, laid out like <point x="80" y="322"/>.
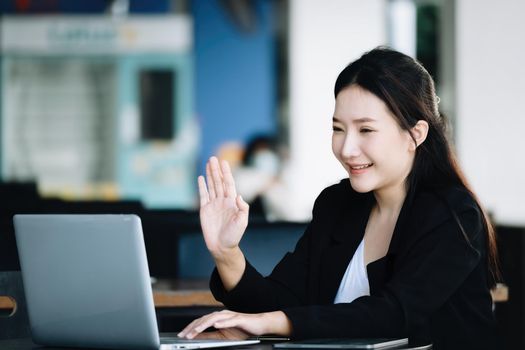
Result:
<point x="86" y="280"/>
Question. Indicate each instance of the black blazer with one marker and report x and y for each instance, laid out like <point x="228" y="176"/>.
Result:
<point x="432" y="285"/>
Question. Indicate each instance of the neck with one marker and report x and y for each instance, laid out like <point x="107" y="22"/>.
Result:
<point x="390" y="200"/>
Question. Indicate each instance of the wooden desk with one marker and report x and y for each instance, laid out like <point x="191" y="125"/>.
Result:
<point x="176" y="293"/>
<point x="6" y="305"/>
<point x="184" y="293"/>
<point x="166" y="293"/>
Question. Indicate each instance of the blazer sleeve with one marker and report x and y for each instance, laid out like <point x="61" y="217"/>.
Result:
<point x="255" y="293"/>
<point x="432" y="271"/>
<point x="286" y="286"/>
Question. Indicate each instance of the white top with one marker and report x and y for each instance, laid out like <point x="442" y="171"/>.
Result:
<point x="355" y="281"/>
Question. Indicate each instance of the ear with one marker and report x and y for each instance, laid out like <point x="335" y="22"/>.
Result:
<point x="419" y="133"/>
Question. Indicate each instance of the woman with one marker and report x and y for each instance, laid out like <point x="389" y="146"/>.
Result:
<point x="401" y="248"/>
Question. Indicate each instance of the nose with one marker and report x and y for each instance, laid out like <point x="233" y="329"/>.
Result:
<point x="350" y="148"/>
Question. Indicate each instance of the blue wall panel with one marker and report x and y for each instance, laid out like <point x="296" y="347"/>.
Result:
<point x="235" y="75"/>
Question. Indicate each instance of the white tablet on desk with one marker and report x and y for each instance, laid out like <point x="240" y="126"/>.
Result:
<point x="340" y="343"/>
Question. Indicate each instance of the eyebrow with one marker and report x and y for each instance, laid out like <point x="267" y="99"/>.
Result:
<point x="356" y="121"/>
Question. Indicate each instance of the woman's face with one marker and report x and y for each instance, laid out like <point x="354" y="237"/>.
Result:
<point x="369" y="143"/>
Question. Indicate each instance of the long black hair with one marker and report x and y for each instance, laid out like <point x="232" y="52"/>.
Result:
<point x="406" y="87"/>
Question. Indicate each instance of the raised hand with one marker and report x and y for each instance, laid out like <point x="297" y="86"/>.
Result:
<point x="223" y="213"/>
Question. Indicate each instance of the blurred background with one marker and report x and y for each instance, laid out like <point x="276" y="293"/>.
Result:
<point x="115" y="106"/>
<point x="127" y="99"/>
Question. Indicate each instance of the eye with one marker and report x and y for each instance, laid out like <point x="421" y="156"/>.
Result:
<point x="336" y="128"/>
<point x="366" y="130"/>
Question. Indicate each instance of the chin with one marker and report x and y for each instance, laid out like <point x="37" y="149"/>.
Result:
<point x="361" y="187"/>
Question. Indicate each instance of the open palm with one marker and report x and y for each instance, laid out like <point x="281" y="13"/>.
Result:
<point x="223" y="214"/>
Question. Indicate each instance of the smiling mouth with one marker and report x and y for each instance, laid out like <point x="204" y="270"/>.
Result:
<point x="359" y="167"/>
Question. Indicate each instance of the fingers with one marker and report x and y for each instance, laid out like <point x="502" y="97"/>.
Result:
<point x="201" y="324"/>
<point x="189" y="327"/>
<point x="234" y="321"/>
<point x="216" y="177"/>
<point x="203" y="191"/>
<point x="209" y="181"/>
<point x="219" y="180"/>
<point x="229" y="183"/>
<point x="242" y="205"/>
<point x="241" y="324"/>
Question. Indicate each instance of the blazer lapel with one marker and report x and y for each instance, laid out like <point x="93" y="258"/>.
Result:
<point x="400" y="228"/>
<point x="379" y="271"/>
<point x="345" y="238"/>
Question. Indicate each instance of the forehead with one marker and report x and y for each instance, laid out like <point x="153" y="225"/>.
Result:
<point x="355" y="104"/>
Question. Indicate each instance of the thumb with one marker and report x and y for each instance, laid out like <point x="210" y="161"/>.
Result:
<point x="242" y="205"/>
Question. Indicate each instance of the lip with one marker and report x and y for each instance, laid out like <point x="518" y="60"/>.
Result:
<point x="358" y="171"/>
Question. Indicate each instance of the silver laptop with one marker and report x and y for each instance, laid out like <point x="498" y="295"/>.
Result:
<point x="87" y="283"/>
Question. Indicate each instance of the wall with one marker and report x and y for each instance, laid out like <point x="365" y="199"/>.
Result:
<point x="490" y="114"/>
<point x="235" y="76"/>
<point x="324" y="37"/>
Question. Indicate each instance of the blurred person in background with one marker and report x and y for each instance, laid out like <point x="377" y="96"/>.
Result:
<point x="400" y="248"/>
<point x="261" y="178"/>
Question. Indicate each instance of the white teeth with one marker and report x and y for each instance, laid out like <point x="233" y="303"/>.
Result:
<point x="361" y="166"/>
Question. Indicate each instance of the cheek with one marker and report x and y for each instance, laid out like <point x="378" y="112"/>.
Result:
<point x="375" y="148"/>
<point x="382" y="151"/>
<point x="395" y="153"/>
<point x="335" y="146"/>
